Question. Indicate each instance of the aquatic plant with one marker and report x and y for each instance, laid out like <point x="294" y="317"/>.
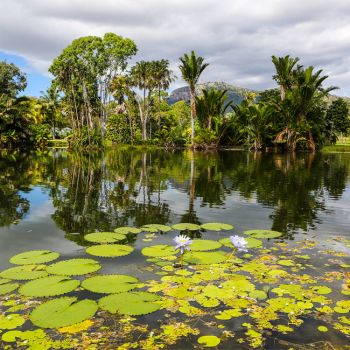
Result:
<point x="239" y="243"/>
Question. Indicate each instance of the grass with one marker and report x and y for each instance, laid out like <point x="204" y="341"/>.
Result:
<point x="58" y="143"/>
<point x="342" y="146"/>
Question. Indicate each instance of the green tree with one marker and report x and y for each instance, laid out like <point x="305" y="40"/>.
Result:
<point x="337" y="119"/>
<point x="191" y="68"/>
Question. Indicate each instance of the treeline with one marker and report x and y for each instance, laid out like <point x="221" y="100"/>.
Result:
<point x="96" y="97"/>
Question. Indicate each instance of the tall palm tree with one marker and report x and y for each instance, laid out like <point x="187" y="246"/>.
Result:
<point x="191" y="68"/>
<point x="163" y="77"/>
<point x="284" y="72"/>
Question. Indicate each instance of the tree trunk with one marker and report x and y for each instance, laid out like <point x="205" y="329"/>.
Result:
<point x="193" y="114"/>
<point x="209" y="122"/>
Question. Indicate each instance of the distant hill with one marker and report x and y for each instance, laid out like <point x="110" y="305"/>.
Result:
<point x="236" y="94"/>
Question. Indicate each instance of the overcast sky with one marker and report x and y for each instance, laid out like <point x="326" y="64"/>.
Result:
<point x="237" y="37"/>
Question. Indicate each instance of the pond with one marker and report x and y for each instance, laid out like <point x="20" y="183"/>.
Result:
<point x="128" y="288"/>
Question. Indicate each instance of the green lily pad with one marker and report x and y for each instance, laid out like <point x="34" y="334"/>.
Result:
<point x="110" y="284"/>
<point x="8" y="288"/>
<point x="216" y="226"/>
<point x="4" y="281"/>
<point x="322" y="328"/>
<point x="263" y="233"/>
<point x="63" y="312"/>
<point x="104" y="237"/>
<point x="286" y="262"/>
<point x="155" y="228"/>
<point x="205" y="258"/>
<point x="321" y="289"/>
<point x="159" y="250"/>
<point x="11" y="321"/>
<point x="74" y="267"/>
<point x="126" y="229"/>
<point x="49" y="286"/>
<point x="24" y="272"/>
<point x="34" y="257"/>
<point x="130" y="303"/>
<point x="209" y="341"/>
<point x="30" y="337"/>
<point x="110" y="250"/>
<point x="204" y="244"/>
<point x="186" y="226"/>
<point x="252" y="242"/>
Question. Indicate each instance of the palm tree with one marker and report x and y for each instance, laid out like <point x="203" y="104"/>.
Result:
<point x="191" y="68"/>
<point x="163" y="77"/>
<point x="284" y="72"/>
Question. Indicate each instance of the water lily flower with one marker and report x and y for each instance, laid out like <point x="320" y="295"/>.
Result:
<point x="182" y="243"/>
<point x="239" y="243"/>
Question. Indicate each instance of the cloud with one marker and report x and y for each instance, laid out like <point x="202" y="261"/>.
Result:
<point x="237" y="38"/>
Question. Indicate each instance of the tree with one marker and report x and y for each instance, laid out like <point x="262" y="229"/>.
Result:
<point x="191" y="68"/>
<point x="12" y="80"/>
<point x="337" y="119"/>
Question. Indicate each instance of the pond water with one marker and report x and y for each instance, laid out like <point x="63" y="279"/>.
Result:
<point x="51" y="200"/>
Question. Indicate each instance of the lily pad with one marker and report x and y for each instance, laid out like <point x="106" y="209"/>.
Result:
<point x="205" y="258"/>
<point x="49" y="286"/>
<point x="110" y="250"/>
<point x="186" y="226"/>
<point x="24" y="272"/>
<point x="263" y="233"/>
<point x="217" y="226"/>
<point x="126" y="229"/>
<point x="252" y="242"/>
<point x="209" y="341"/>
<point x="74" y="267"/>
<point x="8" y="288"/>
<point x="110" y="283"/>
<point x="104" y="237"/>
<point x="34" y="257"/>
<point x="63" y="312"/>
<point x="155" y="228"/>
<point x="204" y="244"/>
<point x="159" y="250"/>
<point x="130" y="303"/>
<point x="11" y="321"/>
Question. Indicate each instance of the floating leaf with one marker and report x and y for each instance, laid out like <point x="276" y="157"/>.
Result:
<point x="204" y="244"/>
<point x="217" y="226"/>
<point x="49" y="286"/>
<point x="205" y="258"/>
<point x="8" y="288"/>
<point x="74" y="267"/>
<point x="263" y="233"/>
<point x="209" y="341"/>
<point x="155" y="228"/>
<point x="252" y="242"/>
<point x="104" y="237"/>
<point x="76" y="328"/>
<point x="63" y="312"/>
<point x="3" y="281"/>
<point x="24" y="272"/>
<point x="322" y="329"/>
<point x="286" y="262"/>
<point x="126" y="229"/>
<point x="159" y="250"/>
<point x="131" y="303"/>
<point x="31" y="337"/>
<point x="11" y="321"/>
<point x="110" y="283"/>
<point x="258" y="294"/>
<point x="186" y="226"/>
<point x="110" y="250"/>
<point x="321" y="289"/>
<point x="34" y="257"/>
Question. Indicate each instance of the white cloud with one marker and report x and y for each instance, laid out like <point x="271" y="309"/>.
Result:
<point x="237" y="38"/>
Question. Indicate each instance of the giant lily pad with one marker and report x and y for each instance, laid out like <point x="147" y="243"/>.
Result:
<point x="8" y="288"/>
<point x="110" y="250"/>
<point x="24" y="272"/>
<point x="130" y="303"/>
<point x="204" y="244"/>
<point x="63" y="312"/>
<point x="110" y="283"/>
<point x="155" y="228"/>
<point x="126" y="229"/>
<point x="158" y="251"/>
<point x="252" y="242"/>
<point x="216" y="226"/>
<point x="74" y="267"/>
<point x="209" y="341"/>
<point x="205" y="258"/>
<point x="186" y="226"/>
<point x="11" y="321"/>
<point x="34" y="257"/>
<point x="49" y="286"/>
<point x="104" y="237"/>
<point x="263" y="233"/>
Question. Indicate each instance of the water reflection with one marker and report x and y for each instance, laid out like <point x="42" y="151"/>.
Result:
<point x="122" y="187"/>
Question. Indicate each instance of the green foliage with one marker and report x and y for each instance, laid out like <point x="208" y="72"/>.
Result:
<point x="159" y="250"/>
<point x="110" y="250"/>
<point x="205" y="258"/>
<point x="204" y="244"/>
<point x="8" y="288"/>
<point x="104" y="237"/>
<point x="74" y="267"/>
<point x="216" y="226"/>
<point x="34" y="257"/>
<point x="263" y="233"/>
<point x="109" y="284"/>
<point x="11" y="321"/>
<point x="25" y="272"/>
<point x="209" y="341"/>
<point x="186" y="226"/>
<point x="63" y="312"/>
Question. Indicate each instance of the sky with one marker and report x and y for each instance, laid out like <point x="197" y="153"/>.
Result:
<point x="237" y="37"/>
